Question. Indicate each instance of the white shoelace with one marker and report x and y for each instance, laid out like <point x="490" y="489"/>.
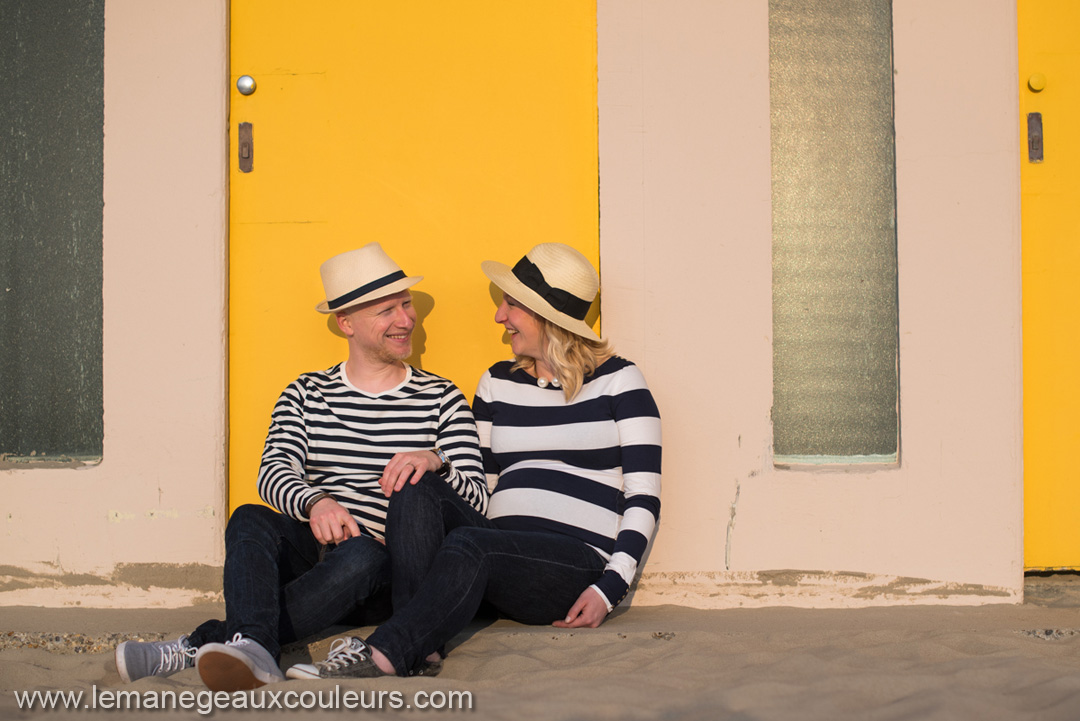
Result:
<point x="176" y="656"/>
<point x="238" y="640"/>
<point x="345" y="652"/>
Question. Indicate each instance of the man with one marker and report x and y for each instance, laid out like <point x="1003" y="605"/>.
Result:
<point x="340" y="442"/>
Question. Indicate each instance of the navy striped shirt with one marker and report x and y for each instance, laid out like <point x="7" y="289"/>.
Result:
<point x="589" y="469"/>
<point x="326" y="435"/>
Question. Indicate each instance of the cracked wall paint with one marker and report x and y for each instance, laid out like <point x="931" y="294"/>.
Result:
<point x="731" y="526"/>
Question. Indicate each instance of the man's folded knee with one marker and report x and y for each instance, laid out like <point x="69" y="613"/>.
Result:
<point x="247" y="513"/>
<point x="423" y="491"/>
<point x="248" y="517"/>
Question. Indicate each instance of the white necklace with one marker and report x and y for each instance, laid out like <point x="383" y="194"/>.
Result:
<point x="543" y="382"/>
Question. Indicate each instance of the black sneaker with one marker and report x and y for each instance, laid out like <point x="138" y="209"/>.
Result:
<point x="349" y="657"/>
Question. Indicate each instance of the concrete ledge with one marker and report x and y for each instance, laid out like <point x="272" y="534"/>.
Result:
<point x="808" y="589"/>
<point x="132" y="585"/>
<point x="163" y="586"/>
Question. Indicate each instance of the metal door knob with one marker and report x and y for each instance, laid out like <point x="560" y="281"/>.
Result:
<point x="246" y="85"/>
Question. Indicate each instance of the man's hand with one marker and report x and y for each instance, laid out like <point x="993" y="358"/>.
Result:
<point x="589" y="611"/>
<point x="407" y="468"/>
<point x="331" y="523"/>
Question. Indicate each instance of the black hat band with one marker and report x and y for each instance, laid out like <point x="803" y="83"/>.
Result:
<point x="559" y="299"/>
<point x="342" y="301"/>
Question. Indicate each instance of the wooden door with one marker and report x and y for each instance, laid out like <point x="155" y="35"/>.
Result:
<point x="451" y="132"/>
<point x="1049" y="45"/>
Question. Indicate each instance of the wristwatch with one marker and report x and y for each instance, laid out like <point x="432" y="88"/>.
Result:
<point x="444" y="466"/>
<point x="314" y="499"/>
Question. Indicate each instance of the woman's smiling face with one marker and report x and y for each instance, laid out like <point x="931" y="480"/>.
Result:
<point x="526" y="334"/>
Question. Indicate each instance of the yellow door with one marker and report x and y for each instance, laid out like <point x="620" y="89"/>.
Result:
<point x="451" y="132"/>
<point x="1049" y="42"/>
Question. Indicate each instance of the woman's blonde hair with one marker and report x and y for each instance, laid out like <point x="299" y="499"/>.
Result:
<point x="569" y="355"/>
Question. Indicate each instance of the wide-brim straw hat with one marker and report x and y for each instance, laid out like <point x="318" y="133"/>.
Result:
<point x="554" y="281"/>
<point x="361" y="275"/>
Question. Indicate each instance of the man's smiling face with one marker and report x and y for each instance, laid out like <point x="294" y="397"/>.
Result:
<point x="381" y="329"/>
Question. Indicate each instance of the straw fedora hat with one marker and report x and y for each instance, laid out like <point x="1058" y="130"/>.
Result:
<point x="554" y="281"/>
<point x="361" y="275"/>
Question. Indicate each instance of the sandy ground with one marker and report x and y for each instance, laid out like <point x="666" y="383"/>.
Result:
<point x="661" y="662"/>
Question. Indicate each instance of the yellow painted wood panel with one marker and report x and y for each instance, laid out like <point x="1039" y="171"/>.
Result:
<point x="451" y="132"/>
<point x="1049" y="45"/>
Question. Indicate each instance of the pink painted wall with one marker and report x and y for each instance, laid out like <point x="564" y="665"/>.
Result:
<point x="685" y="243"/>
<point x="686" y="266"/>
<point x="157" y="497"/>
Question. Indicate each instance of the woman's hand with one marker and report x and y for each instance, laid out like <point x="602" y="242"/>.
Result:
<point x="589" y="611"/>
<point x="407" y="467"/>
<point x="331" y="523"/>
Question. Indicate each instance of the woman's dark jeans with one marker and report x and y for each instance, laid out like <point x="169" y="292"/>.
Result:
<point x="278" y="590"/>
<point x="447" y="558"/>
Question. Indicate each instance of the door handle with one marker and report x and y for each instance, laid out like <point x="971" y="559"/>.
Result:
<point x="1035" y="137"/>
<point x="246" y="147"/>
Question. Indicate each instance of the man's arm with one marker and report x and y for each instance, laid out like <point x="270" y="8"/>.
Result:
<point x="458" y="440"/>
<point x="282" y="481"/>
<point x="330" y="521"/>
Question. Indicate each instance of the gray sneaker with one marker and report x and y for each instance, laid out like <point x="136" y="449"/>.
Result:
<point x="237" y="665"/>
<point x="349" y="657"/>
<point x="139" y="659"/>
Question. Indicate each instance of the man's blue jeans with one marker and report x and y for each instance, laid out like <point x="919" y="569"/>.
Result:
<point x="279" y="590"/>
<point x="448" y="558"/>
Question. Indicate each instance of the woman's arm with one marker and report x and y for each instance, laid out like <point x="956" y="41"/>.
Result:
<point x="638" y="421"/>
<point x="589" y="611"/>
<point x="482" y="411"/>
